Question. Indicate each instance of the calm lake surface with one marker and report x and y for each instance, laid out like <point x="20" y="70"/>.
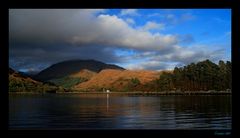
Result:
<point x="91" y="111"/>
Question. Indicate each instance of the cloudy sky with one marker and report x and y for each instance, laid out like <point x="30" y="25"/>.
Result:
<point x="153" y="39"/>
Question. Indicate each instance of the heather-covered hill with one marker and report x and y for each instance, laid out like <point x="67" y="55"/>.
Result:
<point x="118" y="80"/>
<point x="21" y="83"/>
<point x="84" y="73"/>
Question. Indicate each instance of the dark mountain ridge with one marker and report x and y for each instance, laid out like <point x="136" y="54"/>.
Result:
<point x="69" y="67"/>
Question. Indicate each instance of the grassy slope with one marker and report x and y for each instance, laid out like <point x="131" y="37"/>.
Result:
<point x="73" y="79"/>
<point x="68" y="82"/>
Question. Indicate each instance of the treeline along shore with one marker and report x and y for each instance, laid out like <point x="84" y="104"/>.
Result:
<point x="205" y="77"/>
<point x="228" y="92"/>
<point x="138" y="93"/>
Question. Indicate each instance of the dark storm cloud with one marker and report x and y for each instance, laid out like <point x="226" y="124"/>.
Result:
<point x="81" y="27"/>
<point x="31" y="56"/>
<point x="49" y="36"/>
<point x="41" y="37"/>
<point x="47" y="26"/>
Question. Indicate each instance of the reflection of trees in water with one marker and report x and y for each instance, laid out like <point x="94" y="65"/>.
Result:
<point x="207" y="109"/>
<point x="203" y="104"/>
<point x="111" y="110"/>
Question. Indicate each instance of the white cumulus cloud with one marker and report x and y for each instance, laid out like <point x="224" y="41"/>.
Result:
<point x="114" y="31"/>
<point x="150" y="25"/>
<point x="129" y="12"/>
<point x="130" y="21"/>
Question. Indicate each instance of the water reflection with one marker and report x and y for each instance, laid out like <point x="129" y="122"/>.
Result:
<point x="114" y="111"/>
<point x="107" y="101"/>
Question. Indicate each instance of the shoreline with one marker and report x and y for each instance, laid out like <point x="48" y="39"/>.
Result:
<point x="137" y="93"/>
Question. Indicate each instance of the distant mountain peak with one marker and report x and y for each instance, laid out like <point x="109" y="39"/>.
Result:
<point x="69" y="67"/>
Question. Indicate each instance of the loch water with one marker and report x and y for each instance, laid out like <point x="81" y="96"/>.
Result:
<point x="107" y="111"/>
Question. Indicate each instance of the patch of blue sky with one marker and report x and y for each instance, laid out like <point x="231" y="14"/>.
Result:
<point x="131" y="61"/>
<point x="113" y="11"/>
<point x="124" y="52"/>
<point x="206" y="26"/>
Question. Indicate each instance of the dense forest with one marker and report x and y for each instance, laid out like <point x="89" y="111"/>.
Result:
<point x="204" y="75"/>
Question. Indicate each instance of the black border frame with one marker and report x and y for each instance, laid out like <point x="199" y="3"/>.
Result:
<point x="212" y="4"/>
